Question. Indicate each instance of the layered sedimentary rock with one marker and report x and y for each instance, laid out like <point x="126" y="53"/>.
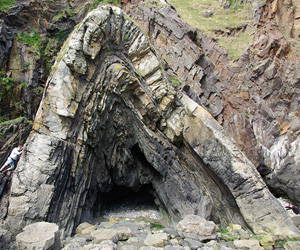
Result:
<point x="110" y="117"/>
<point x="254" y="98"/>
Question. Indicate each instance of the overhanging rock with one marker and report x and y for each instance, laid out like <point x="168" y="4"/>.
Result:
<point x="110" y="118"/>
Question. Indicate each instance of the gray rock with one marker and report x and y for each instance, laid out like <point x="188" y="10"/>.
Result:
<point x="193" y="244"/>
<point x="85" y="228"/>
<point x="174" y="247"/>
<point x="73" y="246"/>
<point x="292" y="245"/>
<point x="147" y="248"/>
<point x="5" y="238"/>
<point x="207" y="13"/>
<point x="129" y="247"/>
<point x="133" y="227"/>
<point x="100" y="235"/>
<point x="109" y="118"/>
<point x="196" y="225"/>
<point x="107" y="245"/>
<point x="248" y="244"/>
<point x="40" y="235"/>
<point x="156" y="240"/>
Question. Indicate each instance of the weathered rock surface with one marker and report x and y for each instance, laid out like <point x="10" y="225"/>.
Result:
<point x="197" y="228"/>
<point x="156" y="240"/>
<point x="40" y="235"/>
<point x="255" y="98"/>
<point x="110" y="118"/>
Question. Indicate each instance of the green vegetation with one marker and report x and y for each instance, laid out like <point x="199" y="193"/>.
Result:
<point x="9" y="93"/>
<point x="223" y="230"/>
<point x="97" y="2"/>
<point x="64" y="14"/>
<point x="33" y="40"/>
<point x="236" y="44"/>
<point x="6" y="86"/>
<point x="174" y="80"/>
<point x="42" y="48"/>
<point x="156" y="225"/>
<point x="221" y="20"/>
<point x="16" y="121"/>
<point x="5" y="4"/>
<point x="227" y="26"/>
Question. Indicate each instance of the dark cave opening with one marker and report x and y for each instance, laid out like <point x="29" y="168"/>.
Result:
<point x="124" y="202"/>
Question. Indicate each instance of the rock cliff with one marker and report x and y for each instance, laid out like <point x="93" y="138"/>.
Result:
<point x="254" y="98"/>
<point x="110" y="117"/>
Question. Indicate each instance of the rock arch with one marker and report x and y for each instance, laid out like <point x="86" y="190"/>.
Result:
<point x="110" y="117"/>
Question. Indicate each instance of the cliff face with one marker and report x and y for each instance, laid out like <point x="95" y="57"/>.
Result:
<point x="254" y="98"/>
<point x="111" y="116"/>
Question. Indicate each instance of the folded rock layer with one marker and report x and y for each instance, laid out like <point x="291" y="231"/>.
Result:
<point x="110" y="117"/>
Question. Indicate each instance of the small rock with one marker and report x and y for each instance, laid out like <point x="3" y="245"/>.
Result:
<point x="248" y="244"/>
<point x="267" y="242"/>
<point x="207" y="13"/>
<point x="128" y="247"/>
<point x="194" y="244"/>
<point x="72" y="246"/>
<point x="173" y="247"/>
<point x="123" y="232"/>
<point x="234" y="227"/>
<point x="292" y="245"/>
<point x="85" y="228"/>
<point x="100" y="235"/>
<point x="107" y="224"/>
<point x="157" y="240"/>
<point x="148" y="248"/>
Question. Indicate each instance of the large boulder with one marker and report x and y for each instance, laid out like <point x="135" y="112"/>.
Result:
<point x="197" y="228"/>
<point x="40" y="235"/>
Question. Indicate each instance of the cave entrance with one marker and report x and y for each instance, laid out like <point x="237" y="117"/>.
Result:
<point x="124" y="203"/>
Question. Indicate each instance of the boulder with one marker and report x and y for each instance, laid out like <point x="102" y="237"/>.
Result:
<point x="197" y="225"/>
<point x="156" y="239"/>
<point x="85" y="228"/>
<point x="248" y="244"/>
<point x="292" y="245"/>
<point x="40" y="235"/>
<point x="100" y="235"/>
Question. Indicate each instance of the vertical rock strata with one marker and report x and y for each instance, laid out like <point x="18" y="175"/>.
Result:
<point x="110" y="118"/>
<point x="256" y="97"/>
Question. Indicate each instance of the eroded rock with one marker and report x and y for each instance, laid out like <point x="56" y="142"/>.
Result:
<point x="106" y="120"/>
<point x="40" y="235"/>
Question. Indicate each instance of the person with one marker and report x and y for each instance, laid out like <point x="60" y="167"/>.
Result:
<point x="295" y="209"/>
<point x="14" y="155"/>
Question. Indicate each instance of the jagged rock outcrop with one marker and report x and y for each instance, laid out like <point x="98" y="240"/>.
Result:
<point x="255" y="98"/>
<point x="109" y="117"/>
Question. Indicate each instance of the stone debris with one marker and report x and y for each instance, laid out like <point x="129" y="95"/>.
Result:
<point x="147" y="237"/>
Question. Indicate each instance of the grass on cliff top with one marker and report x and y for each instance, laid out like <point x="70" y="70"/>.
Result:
<point x="5" y="4"/>
<point x="217" y="26"/>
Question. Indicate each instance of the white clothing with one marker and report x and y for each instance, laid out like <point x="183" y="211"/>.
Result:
<point x="15" y="154"/>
